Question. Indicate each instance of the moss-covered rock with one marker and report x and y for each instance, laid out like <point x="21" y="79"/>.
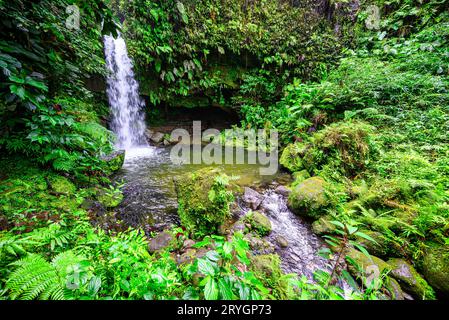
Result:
<point x="291" y="157"/>
<point x="259" y="223"/>
<point x="379" y="248"/>
<point x="268" y="265"/>
<point x="204" y="200"/>
<point x="323" y="226"/>
<point x="61" y="185"/>
<point x="436" y="268"/>
<point x="309" y="198"/>
<point x="371" y="268"/>
<point x="299" y="177"/>
<point x="410" y="280"/>
<point x="343" y="147"/>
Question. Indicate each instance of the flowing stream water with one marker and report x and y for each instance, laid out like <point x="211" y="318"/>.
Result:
<point x="150" y="199"/>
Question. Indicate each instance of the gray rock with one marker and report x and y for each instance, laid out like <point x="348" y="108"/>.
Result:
<point x="252" y="198"/>
<point x="283" y="190"/>
<point x="158" y="137"/>
<point x="161" y="241"/>
<point x="283" y="243"/>
<point x="410" y="280"/>
<point x="188" y="243"/>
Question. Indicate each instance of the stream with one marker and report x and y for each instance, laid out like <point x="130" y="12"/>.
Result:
<point x="151" y="203"/>
<point x="150" y="200"/>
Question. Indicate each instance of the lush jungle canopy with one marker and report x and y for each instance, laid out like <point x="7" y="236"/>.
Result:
<point x="358" y="90"/>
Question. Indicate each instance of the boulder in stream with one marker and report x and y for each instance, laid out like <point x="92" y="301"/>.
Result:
<point x="157" y="137"/>
<point x="252" y="198"/>
<point x="259" y="223"/>
<point x="204" y="200"/>
<point x="309" y="198"/>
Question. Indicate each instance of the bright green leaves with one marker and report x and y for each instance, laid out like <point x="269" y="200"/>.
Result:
<point x="210" y="289"/>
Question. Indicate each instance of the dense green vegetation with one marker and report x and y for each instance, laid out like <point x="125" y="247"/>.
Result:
<point x="363" y="116"/>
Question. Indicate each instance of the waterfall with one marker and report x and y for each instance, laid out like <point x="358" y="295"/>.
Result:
<point x="128" y="118"/>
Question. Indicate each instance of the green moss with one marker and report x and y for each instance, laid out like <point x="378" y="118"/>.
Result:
<point x="203" y="200"/>
<point x="267" y="268"/>
<point x="436" y="267"/>
<point x="323" y="226"/>
<point x="344" y="147"/>
<point x="410" y="279"/>
<point x="299" y="177"/>
<point x="309" y="198"/>
<point x="259" y="222"/>
<point x="62" y="185"/>
<point x="291" y="157"/>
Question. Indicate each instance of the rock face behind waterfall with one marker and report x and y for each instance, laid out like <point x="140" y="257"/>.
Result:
<point x="128" y="119"/>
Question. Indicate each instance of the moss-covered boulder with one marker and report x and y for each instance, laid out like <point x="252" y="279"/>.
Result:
<point x="268" y="265"/>
<point x="436" y="268"/>
<point x="369" y="269"/>
<point x="259" y="223"/>
<point x="379" y="248"/>
<point x="299" y="177"/>
<point x="113" y="162"/>
<point x="309" y="198"/>
<point x="291" y="157"/>
<point x="342" y="147"/>
<point x="410" y="280"/>
<point x="61" y="185"/>
<point x="323" y="226"/>
<point x="204" y="200"/>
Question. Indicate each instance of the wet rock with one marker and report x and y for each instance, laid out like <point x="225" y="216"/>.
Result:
<point x="410" y="280"/>
<point x="238" y="227"/>
<point x="436" y="268"/>
<point x="187" y="257"/>
<point x="283" y="243"/>
<point x="309" y="198"/>
<point x="188" y="243"/>
<point x="259" y="223"/>
<point x="62" y="185"/>
<point x="259" y="245"/>
<point x="162" y="241"/>
<point x="114" y="161"/>
<point x="148" y="134"/>
<point x="283" y="190"/>
<point x="252" y="198"/>
<point x="379" y="248"/>
<point x="157" y="137"/>
<point x="323" y="226"/>
<point x="203" y="200"/>
<point x="370" y="269"/>
<point x="367" y="264"/>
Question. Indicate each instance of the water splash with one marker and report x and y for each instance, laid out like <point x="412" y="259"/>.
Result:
<point x="128" y="118"/>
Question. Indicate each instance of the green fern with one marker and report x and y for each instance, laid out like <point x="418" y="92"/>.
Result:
<point x="36" y="278"/>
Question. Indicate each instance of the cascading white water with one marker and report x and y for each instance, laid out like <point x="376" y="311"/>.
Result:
<point x="128" y="119"/>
